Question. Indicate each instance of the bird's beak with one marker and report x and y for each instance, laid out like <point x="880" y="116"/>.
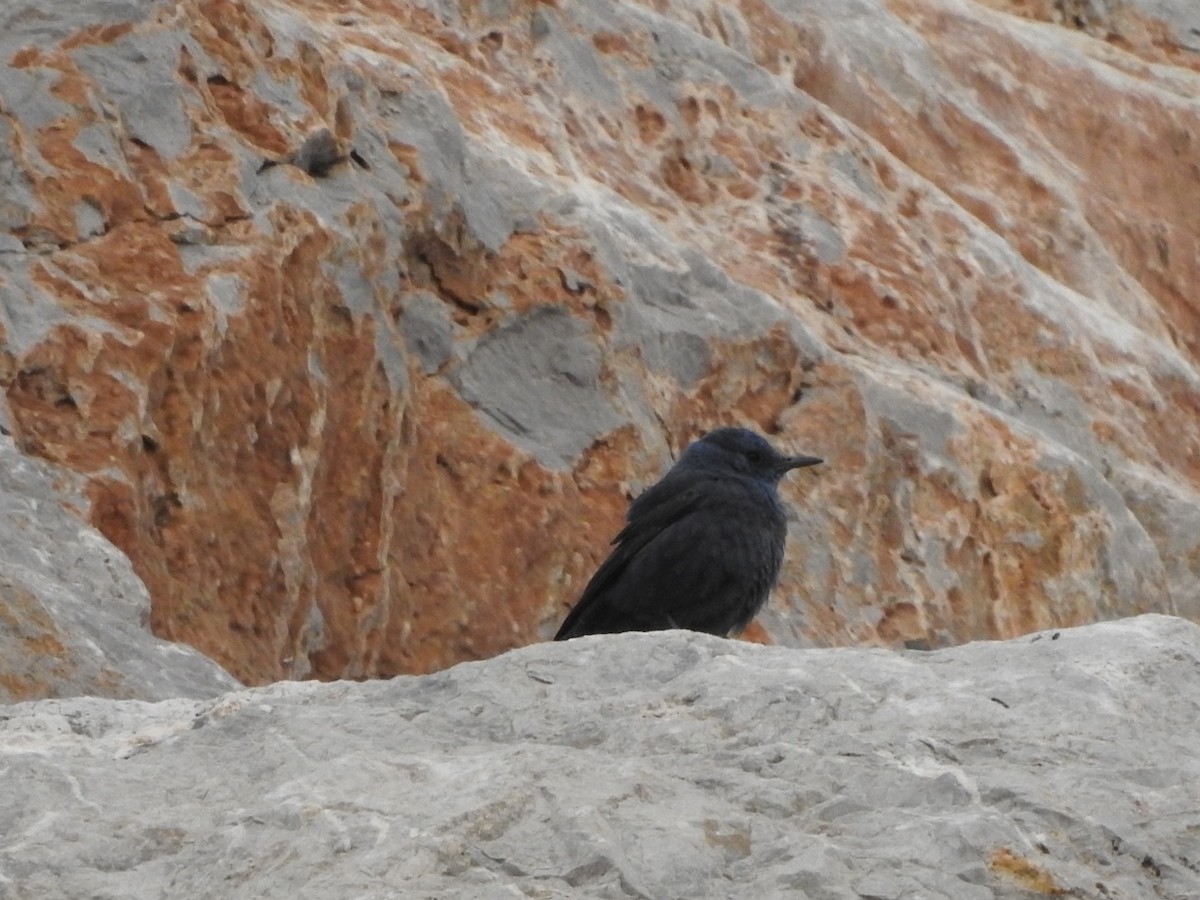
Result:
<point x="799" y="462"/>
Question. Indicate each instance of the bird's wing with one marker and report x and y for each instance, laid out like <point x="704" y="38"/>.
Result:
<point x="648" y="521"/>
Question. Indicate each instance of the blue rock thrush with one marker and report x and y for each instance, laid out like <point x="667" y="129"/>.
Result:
<point x="701" y="549"/>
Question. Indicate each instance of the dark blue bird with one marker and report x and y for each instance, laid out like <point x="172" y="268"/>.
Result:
<point x="701" y="549"/>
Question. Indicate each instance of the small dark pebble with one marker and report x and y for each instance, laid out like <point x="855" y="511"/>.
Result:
<point x="318" y="154"/>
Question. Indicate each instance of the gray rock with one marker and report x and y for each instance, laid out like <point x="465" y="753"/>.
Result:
<point x="677" y="305"/>
<point x="658" y="766"/>
<point x="16" y="202"/>
<point x="1172" y="520"/>
<point x="422" y="118"/>
<point x="26" y="22"/>
<point x="73" y="616"/>
<point x="137" y="75"/>
<point x="428" y="332"/>
<point x="1183" y="16"/>
<point x="537" y="381"/>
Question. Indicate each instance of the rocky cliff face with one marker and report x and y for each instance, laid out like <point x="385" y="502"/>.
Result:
<point x="73" y="615"/>
<point x="361" y="322"/>
<point x="1060" y="764"/>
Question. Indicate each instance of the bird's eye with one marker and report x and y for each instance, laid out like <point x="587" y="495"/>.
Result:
<point x="755" y="456"/>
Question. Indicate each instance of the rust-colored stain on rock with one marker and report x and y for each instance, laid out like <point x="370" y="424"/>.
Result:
<point x="1026" y="874"/>
<point x="37" y="662"/>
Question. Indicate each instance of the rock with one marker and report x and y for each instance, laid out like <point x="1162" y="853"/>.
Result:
<point x="379" y="407"/>
<point x="666" y="765"/>
<point x="73" y="615"/>
<point x="538" y="381"/>
<point x="318" y="154"/>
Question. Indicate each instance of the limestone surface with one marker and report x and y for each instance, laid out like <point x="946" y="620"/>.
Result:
<point x="73" y="615"/>
<point x="671" y="765"/>
<point x="362" y="320"/>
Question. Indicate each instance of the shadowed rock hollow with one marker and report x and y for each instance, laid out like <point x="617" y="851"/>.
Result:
<point x="654" y="766"/>
<point x="360" y="322"/>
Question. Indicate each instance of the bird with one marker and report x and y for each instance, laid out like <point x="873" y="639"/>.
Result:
<point x="701" y="549"/>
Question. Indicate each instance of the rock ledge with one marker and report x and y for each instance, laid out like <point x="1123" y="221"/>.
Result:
<point x="669" y="765"/>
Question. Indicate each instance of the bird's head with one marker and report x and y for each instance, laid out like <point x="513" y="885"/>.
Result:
<point x="744" y="452"/>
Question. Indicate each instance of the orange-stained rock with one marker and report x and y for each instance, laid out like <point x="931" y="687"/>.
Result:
<point x="72" y="612"/>
<point x="362" y="322"/>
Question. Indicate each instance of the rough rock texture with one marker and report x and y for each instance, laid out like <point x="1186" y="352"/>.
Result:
<point x="656" y="766"/>
<point x="73" y="615"/>
<point x="362" y="320"/>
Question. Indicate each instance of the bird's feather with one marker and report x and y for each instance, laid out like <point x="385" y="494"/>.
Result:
<point x="701" y="549"/>
<point x="663" y="572"/>
<point x="639" y="531"/>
